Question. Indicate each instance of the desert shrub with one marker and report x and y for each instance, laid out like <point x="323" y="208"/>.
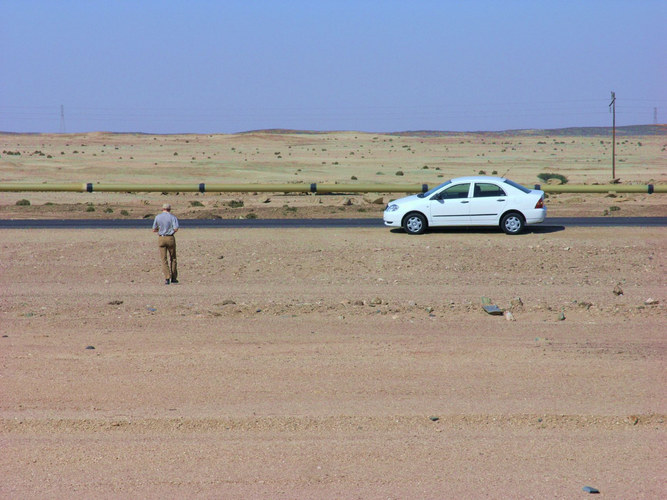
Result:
<point x="481" y="172"/>
<point x="108" y="210"/>
<point x="354" y="178"/>
<point x="196" y="203"/>
<point x="235" y="203"/>
<point x="90" y="208"/>
<point x="544" y="177"/>
<point x="23" y="203"/>
<point x="614" y="208"/>
<point x="399" y="173"/>
<point x="251" y="215"/>
<point x="124" y="212"/>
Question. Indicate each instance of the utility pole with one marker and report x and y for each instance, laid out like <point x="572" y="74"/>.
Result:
<point x="655" y="116"/>
<point x="62" y="119"/>
<point x="612" y="108"/>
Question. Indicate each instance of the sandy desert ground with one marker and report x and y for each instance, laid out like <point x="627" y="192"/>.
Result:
<point x="325" y="158"/>
<point x="328" y="363"/>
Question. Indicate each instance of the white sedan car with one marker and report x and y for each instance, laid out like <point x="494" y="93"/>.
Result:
<point x="469" y="201"/>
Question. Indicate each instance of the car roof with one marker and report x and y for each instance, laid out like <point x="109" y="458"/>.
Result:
<point x="478" y="178"/>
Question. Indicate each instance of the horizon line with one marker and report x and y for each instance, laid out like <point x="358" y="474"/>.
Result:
<point x="351" y="131"/>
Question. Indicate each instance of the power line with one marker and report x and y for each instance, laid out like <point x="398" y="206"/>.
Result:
<point x="556" y="113"/>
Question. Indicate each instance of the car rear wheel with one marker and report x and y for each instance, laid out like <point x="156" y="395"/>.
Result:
<point x="513" y="223"/>
<point x="414" y="223"/>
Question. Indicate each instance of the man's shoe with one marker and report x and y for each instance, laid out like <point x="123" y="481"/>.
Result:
<point x="174" y="281"/>
<point x="166" y="282"/>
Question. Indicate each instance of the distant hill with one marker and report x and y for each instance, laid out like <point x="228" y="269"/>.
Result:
<point x="629" y="130"/>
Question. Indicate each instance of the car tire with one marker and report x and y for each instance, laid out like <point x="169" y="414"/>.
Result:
<point x="414" y="223"/>
<point x="513" y="223"/>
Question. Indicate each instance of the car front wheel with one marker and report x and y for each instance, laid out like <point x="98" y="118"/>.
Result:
<point x="512" y="223"/>
<point x="414" y="223"/>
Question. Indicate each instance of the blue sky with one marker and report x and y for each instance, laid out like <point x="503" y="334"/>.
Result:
<point x="204" y="66"/>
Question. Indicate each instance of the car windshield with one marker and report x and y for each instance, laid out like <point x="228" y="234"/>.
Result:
<point x="518" y="186"/>
<point x="433" y="190"/>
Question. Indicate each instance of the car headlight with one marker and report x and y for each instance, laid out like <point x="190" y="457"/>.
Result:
<point x="391" y="208"/>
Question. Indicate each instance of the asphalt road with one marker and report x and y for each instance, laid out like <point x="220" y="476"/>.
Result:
<point x="550" y="224"/>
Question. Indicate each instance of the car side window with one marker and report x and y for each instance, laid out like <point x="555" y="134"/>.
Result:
<point x="483" y="190"/>
<point x="456" y="191"/>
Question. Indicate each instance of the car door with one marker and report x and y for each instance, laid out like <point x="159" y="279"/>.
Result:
<point x="451" y="206"/>
<point x="487" y="204"/>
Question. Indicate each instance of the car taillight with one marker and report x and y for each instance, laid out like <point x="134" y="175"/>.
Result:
<point x="540" y="203"/>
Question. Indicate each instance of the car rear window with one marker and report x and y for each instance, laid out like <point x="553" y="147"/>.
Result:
<point x="486" y="190"/>
<point x="518" y="186"/>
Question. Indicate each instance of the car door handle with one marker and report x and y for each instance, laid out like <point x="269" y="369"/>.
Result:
<point x="501" y="199"/>
<point x="464" y="201"/>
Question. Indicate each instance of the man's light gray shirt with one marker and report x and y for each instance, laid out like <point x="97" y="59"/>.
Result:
<point x="166" y="222"/>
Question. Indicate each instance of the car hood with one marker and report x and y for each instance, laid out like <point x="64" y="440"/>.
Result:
<point x="404" y="200"/>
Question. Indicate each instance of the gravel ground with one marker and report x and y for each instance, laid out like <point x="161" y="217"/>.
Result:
<point x="333" y="364"/>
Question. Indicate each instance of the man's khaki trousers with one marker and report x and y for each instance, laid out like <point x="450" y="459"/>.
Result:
<point x="167" y="246"/>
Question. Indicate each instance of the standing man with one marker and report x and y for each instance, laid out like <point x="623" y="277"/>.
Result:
<point x="166" y="225"/>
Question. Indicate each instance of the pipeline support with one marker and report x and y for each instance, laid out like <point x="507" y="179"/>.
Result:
<point x="315" y="188"/>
